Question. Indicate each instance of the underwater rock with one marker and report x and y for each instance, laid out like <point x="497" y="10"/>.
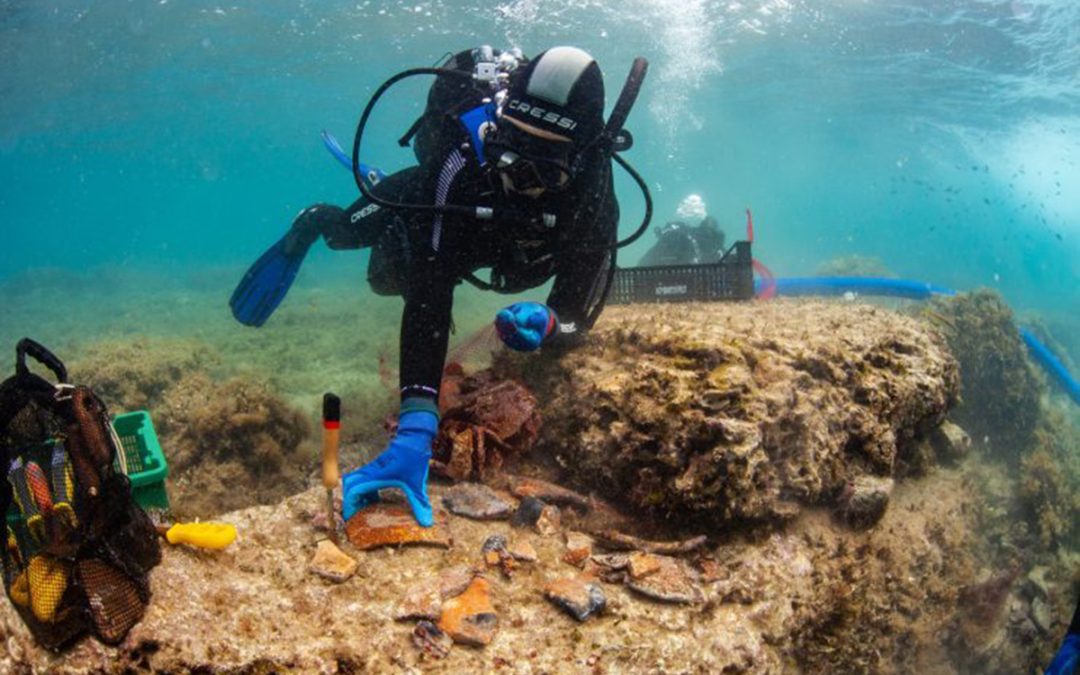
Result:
<point x="388" y="524"/>
<point x="432" y="641"/>
<point x="578" y="548"/>
<point x="549" y="493"/>
<point x="864" y="500"/>
<point x="812" y="598"/>
<point x="1041" y="615"/>
<point x="666" y="579"/>
<point x="331" y="563"/>
<point x="470" y="618"/>
<point x="1000" y="390"/>
<point x="578" y="598"/>
<point x="527" y="513"/>
<point x="723" y="413"/>
<point x="951" y="441"/>
<point x="475" y="500"/>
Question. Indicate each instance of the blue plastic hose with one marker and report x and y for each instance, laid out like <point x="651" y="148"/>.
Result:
<point x="918" y="290"/>
<point x="1052" y="365"/>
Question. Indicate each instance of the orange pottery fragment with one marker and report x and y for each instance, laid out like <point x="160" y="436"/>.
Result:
<point x="550" y="493"/>
<point x="387" y="524"/>
<point x="470" y="618"/>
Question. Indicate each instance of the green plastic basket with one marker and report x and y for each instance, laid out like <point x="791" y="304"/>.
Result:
<point x="146" y="465"/>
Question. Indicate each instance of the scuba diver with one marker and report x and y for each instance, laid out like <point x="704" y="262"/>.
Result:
<point x="681" y="242"/>
<point x="514" y="174"/>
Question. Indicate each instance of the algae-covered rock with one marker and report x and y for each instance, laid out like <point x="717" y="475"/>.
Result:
<point x="1049" y="479"/>
<point x="136" y="374"/>
<point x="999" y="389"/>
<point x="725" y="413"/>
<point x="231" y="445"/>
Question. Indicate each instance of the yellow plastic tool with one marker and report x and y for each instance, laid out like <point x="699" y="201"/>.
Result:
<point x="214" y="536"/>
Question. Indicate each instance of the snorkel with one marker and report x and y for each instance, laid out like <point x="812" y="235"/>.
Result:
<point x="495" y="71"/>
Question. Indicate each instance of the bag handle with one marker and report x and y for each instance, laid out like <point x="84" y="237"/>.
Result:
<point x="28" y="347"/>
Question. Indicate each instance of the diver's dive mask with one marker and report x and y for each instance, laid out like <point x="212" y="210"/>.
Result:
<point x="528" y="162"/>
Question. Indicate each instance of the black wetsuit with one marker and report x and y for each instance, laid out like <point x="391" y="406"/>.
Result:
<point x="682" y="244"/>
<point x="424" y="256"/>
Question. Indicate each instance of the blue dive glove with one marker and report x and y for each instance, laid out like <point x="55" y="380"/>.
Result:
<point x="403" y="465"/>
<point x="523" y="326"/>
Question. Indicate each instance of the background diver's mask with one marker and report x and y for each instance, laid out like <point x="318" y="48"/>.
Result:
<point x="527" y="161"/>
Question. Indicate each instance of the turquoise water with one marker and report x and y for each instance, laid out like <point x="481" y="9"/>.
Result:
<point x="179" y="138"/>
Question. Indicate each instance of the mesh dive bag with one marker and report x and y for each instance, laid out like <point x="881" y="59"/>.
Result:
<point x="78" y="549"/>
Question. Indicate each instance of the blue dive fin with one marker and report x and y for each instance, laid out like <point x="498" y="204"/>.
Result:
<point x="371" y="175"/>
<point x="267" y="281"/>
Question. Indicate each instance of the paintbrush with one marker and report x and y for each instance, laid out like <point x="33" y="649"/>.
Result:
<point x="330" y="475"/>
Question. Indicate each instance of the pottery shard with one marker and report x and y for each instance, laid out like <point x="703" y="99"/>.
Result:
<point x="470" y="618"/>
<point x="865" y="499"/>
<point x="548" y="492"/>
<point x="671" y="581"/>
<point x="523" y="551"/>
<point x="527" y="513"/>
<point x="615" y="561"/>
<point x="550" y="521"/>
<point x="641" y="565"/>
<point x="474" y="500"/>
<point x="430" y="640"/>
<point x="578" y="548"/>
<point x="580" y="599"/>
<point x="330" y="563"/>
<point x="388" y="524"/>
<point x="424" y="600"/>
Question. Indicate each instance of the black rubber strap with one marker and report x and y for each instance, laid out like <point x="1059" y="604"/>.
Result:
<point x="28" y="347"/>
<point x="627" y="97"/>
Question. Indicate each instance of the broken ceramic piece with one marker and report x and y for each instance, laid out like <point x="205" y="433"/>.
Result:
<point x="384" y="524"/>
<point x="470" y="618"/>
<point x="671" y="581"/>
<point x="578" y="548"/>
<point x="550" y="521"/>
<point x="523" y="551"/>
<point x="432" y="641"/>
<point x="578" y="598"/>
<point x="548" y="492"/>
<point x="424" y="600"/>
<point x="641" y="564"/>
<point x="477" y="501"/>
<point x="331" y="563"/>
<point x="527" y="513"/>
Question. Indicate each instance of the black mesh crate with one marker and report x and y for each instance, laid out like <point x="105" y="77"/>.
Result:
<point x="732" y="278"/>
